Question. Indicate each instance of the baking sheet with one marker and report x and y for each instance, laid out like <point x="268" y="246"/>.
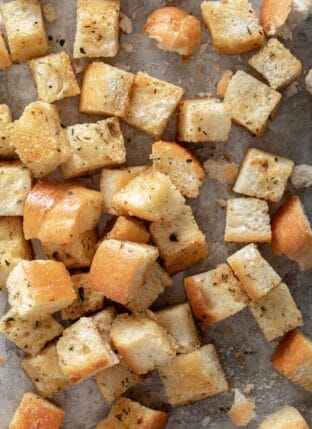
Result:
<point x="245" y="354"/>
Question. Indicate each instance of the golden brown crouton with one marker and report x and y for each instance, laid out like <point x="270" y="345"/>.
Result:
<point x="242" y="410"/>
<point x="6" y="149"/>
<point x="286" y="417"/>
<point x="128" y="229"/>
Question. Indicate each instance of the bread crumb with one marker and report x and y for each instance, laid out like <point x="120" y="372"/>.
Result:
<point x="223" y="83"/>
<point x="301" y="176"/>
<point x="308" y="81"/>
<point x="79" y="65"/>
<point x="222" y="202"/>
<point x="49" y="12"/>
<point x="248" y="389"/>
<point x="203" y="48"/>
<point x="205" y="421"/>
<point x="2" y="360"/>
<point x="216" y="68"/>
<point x="125" y="23"/>
<point x="242" y="410"/>
<point x="228" y="331"/>
<point x="204" y="94"/>
<point x="127" y="47"/>
<point x="221" y="170"/>
<point x="122" y="66"/>
<point x="292" y="89"/>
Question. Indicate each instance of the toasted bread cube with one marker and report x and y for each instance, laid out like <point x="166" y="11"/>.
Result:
<point x="193" y="376"/>
<point x="142" y="342"/>
<point x="253" y="271"/>
<point x="242" y="410"/>
<point x="39" y="139"/>
<point x="247" y="219"/>
<point x="5" y="60"/>
<point x="25" y="29"/>
<point x="286" y="417"/>
<point x="250" y="102"/>
<point x="97" y="33"/>
<point x="263" y="175"/>
<point x="105" y="90"/>
<point x="183" y="168"/>
<point x="6" y="149"/>
<point x="60" y="213"/>
<point x="128" y="229"/>
<point x="39" y="288"/>
<point x="152" y="103"/>
<point x="215" y="295"/>
<point x="221" y="170"/>
<point x="233" y="26"/>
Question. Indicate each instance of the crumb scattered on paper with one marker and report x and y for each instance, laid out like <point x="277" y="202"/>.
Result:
<point x="49" y="12"/>
<point x="248" y="389"/>
<point x="79" y="65"/>
<point x="205" y="421"/>
<point x="222" y="202"/>
<point x="204" y="94"/>
<point x="122" y="66"/>
<point x="221" y="170"/>
<point x="292" y="89"/>
<point x="203" y="48"/>
<point x="242" y="410"/>
<point x="127" y="47"/>
<point x="301" y="176"/>
<point x="125" y="23"/>
<point x="2" y="360"/>
<point x="216" y="68"/>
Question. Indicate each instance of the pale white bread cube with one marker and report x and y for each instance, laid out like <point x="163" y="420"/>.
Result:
<point x="83" y="352"/>
<point x="150" y="196"/>
<point x="193" y="376"/>
<point x="242" y="410"/>
<point x="104" y="320"/>
<point x="97" y="32"/>
<point x="25" y="30"/>
<point x="223" y="83"/>
<point x="301" y="176"/>
<point x="37" y="288"/>
<point x="179" y="322"/>
<point x="6" y="149"/>
<point x="263" y="175"/>
<point x="152" y="103"/>
<point x="250" y="102"/>
<point x="183" y="168"/>
<point x="308" y="81"/>
<point x="128" y="229"/>
<point x="286" y="417"/>
<point x="221" y="170"/>
<point x="233" y="26"/>
<point x="203" y="120"/>
<point x="105" y="90"/>
<point x="253" y="271"/>
<point x="180" y="242"/>
<point x="5" y="60"/>
<point x="142" y="342"/>
<point x="247" y="220"/>
<point x="38" y="138"/>
<point x="215" y="295"/>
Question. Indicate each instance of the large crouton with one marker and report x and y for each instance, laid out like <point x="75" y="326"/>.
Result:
<point x="128" y="229"/>
<point x="286" y="417"/>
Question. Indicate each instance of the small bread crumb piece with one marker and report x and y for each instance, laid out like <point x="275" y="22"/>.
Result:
<point x="301" y="176"/>
<point x="49" y="12"/>
<point x="291" y="90"/>
<point x="221" y="170"/>
<point x="248" y="389"/>
<point x="2" y="360"/>
<point x="242" y="410"/>
<point x="308" y="81"/>
<point x="127" y="47"/>
<point x="223" y="83"/>
<point x="125" y="23"/>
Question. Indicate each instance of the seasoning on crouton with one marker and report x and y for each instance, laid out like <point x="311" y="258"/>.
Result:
<point x="6" y="149"/>
<point x="250" y="102"/>
<point x="286" y="417"/>
<point x="103" y="321"/>
<point x="291" y="233"/>
<point x="60" y="213"/>
<point x="215" y="295"/>
<point x="25" y="29"/>
<point x="128" y="229"/>
<point x="39" y="139"/>
<point x="233" y="26"/>
<point x="203" y="120"/>
<point x="247" y="219"/>
<point x="301" y="176"/>
<point x="183" y="168"/>
<point x="152" y="104"/>
<point x="181" y="243"/>
<point x="223" y="83"/>
<point x="221" y="170"/>
<point x="242" y="410"/>
<point x="5" y="60"/>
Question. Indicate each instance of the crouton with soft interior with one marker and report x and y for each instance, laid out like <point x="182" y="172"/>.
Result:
<point x="250" y="102"/>
<point x="223" y="83"/>
<point x="221" y="170"/>
<point x="286" y="417"/>
<point x="242" y="410"/>
<point x="152" y="103"/>
<point x="180" y="242"/>
<point x="215" y="295"/>
<point x="308" y="81"/>
<point x="25" y="30"/>
<point x="301" y="176"/>
<point x="183" y="168"/>
<point x="5" y="59"/>
<point x="6" y="149"/>
<point x="128" y="229"/>
<point x="103" y="321"/>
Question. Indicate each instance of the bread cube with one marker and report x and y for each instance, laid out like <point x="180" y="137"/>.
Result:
<point x="97" y="33"/>
<point x="83" y="352"/>
<point x="253" y="271"/>
<point x="25" y="29"/>
<point x="247" y="219"/>
<point x="6" y="149"/>
<point x="183" y="168"/>
<point x="128" y="229"/>
<point x="94" y="146"/>
<point x="293" y="359"/>
<point x="215" y="295"/>
<point x="221" y="170"/>
<point x="263" y="175"/>
<point x="38" y="288"/>
<point x="242" y="410"/>
<point x="181" y="243"/>
<point x="250" y="102"/>
<point x="5" y="60"/>
<point x="103" y="321"/>
<point x="38" y="138"/>
<point x="203" y="120"/>
<point x="193" y="376"/>
<point x="60" y="213"/>
<point x="142" y="342"/>
<point x="286" y="417"/>
<point x="152" y="103"/>
<point x="233" y="26"/>
<point x="105" y="90"/>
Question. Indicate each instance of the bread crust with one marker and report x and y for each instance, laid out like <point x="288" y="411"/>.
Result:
<point x="273" y="14"/>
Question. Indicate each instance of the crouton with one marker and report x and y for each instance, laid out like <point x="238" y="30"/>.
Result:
<point x="181" y="243"/>
<point x="38" y="288"/>
<point x="103" y="321"/>
<point x="105" y="90"/>
<point x="6" y="149"/>
<point x="253" y="271"/>
<point x="83" y="352"/>
<point x="215" y="295"/>
<point x="250" y="102"/>
<point x="129" y="414"/>
<point x="233" y="26"/>
<point x="308" y="81"/>
<point x="193" y="376"/>
<point x="97" y="33"/>
<point x="34" y="411"/>
<point x="38" y="138"/>
<point x="179" y="322"/>
<point x="291" y="233"/>
<point x="150" y="196"/>
<point x="221" y="170"/>
<point x="247" y="219"/>
<point x="286" y="417"/>
<point x="301" y="176"/>
<point x="183" y="168"/>
<point x="128" y="229"/>
<point x="5" y="60"/>
<point x="223" y="83"/>
<point x="60" y="213"/>
<point x="242" y="410"/>
<point x="203" y="120"/>
<point x="25" y="29"/>
<point x="263" y="175"/>
<point x="142" y="343"/>
<point x="152" y="103"/>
